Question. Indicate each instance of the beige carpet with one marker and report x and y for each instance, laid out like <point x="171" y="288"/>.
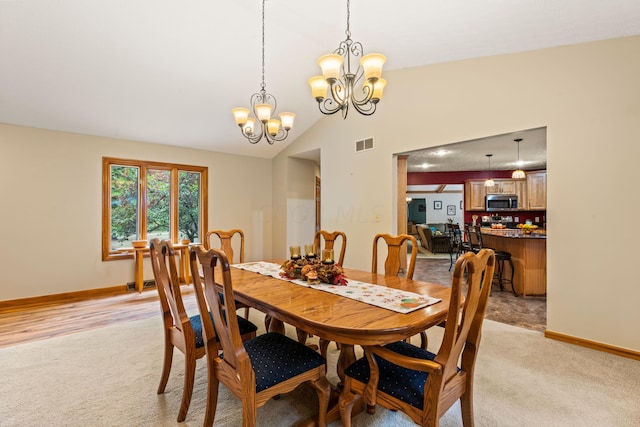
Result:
<point x="109" y="376"/>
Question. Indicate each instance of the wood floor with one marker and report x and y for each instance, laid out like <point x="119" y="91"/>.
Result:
<point x="32" y="322"/>
<point x="37" y="321"/>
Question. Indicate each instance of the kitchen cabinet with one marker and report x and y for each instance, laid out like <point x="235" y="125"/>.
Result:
<point x="521" y="192"/>
<point x="531" y="192"/>
<point x="474" y="192"/>
<point x="537" y="190"/>
<point x="502" y="186"/>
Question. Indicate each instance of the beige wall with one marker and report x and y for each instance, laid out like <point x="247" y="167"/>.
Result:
<point x="51" y="207"/>
<point x="588" y="97"/>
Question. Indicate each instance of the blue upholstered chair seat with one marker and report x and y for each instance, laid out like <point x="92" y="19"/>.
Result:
<point x="196" y="323"/>
<point x="404" y="384"/>
<point x="276" y="358"/>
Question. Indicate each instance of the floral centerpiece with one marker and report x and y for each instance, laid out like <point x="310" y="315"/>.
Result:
<point x="527" y="228"/>
<point x="313" y="271"/>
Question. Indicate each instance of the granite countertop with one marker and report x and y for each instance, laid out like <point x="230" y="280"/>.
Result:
<point x="514" y="233"/>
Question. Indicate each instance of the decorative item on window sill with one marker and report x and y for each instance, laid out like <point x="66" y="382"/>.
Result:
<point x="263" y="104"/>
<point x="362" y="87"/>
<point x="139" y="244"/>
<point x="313" y="271"/>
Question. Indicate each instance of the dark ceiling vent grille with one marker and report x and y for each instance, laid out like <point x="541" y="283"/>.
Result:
<point x="364" y="144"/>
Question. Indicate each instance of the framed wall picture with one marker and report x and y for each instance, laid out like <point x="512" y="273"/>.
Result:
<point x="437" y="205"/>
<point x="451" y="209"/>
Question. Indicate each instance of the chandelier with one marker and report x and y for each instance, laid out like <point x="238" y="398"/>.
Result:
<point x="361" y="88"/>
<point x="518" y="173"/>
<point x="489" y="182"/>
<point x="263" y="105"/>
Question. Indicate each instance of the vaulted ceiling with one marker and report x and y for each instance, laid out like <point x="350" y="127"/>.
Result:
<point x="169" y="72"/>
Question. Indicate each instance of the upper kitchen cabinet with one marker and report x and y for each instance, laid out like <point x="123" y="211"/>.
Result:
<point x="502" y="186"/>
<point x="537" y="190"/>
<point x="521" y="192"/>
<point x="474" y="192"/>
<point x="531" y="192"/>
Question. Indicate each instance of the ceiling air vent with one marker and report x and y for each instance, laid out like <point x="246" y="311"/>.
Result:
<point x="364" y="144"/>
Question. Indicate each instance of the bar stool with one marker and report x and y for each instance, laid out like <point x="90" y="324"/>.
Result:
<point x="501" y="258"/>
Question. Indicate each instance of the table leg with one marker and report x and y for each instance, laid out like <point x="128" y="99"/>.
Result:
<point x="274" y="325"/>
<point x="347" y="357"/>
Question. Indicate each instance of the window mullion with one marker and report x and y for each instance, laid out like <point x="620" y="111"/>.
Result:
<point x="174" y="204"/>
<point x="142" y="212"/>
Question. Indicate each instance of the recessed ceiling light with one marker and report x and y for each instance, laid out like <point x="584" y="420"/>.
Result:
<point x="424" y="165"/>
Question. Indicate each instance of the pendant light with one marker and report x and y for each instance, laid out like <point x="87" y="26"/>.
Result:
<point x="263" y="105"/>
<point x="518" y="173"/>
<point x="345" y="81"/>
<point x="489" y="182"/>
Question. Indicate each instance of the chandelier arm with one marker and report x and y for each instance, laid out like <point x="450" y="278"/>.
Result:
<point x="325" y="106"/>
<point x="339" y="91"/>
<point x="253" y="138"/>
<point x="366" y="109"/>
<point x="367" y="95"/>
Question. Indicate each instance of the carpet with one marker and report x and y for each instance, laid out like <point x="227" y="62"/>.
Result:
<point x="109" y="377"/>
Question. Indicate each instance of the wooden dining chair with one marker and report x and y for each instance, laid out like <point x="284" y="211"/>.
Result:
<point x="181" y="331"/>
<point x="392" y="263"/>
<point x="225" y="241"/>
<point x="424" y="385"/>
<point x="258" y="369"/>
<point x="330" y="239"/>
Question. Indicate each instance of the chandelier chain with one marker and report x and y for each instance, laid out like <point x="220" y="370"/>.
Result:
<point x="348" y="31"/>
<point x="263" y="85"/>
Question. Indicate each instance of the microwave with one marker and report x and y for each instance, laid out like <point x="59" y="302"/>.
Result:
<point x="501" y="202"/>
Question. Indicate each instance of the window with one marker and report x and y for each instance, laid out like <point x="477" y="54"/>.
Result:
<point x="144" y="200"/>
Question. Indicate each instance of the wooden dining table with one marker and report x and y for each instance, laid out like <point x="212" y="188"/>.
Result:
<point x="337" y="318"/>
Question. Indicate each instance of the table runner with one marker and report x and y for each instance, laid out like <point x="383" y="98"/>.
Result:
<point x="381" y="296"/>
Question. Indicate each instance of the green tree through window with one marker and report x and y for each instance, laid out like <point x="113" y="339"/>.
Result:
<point x="145" y="200"/>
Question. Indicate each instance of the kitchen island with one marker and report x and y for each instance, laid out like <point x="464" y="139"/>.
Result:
<point x="529" y="256"/>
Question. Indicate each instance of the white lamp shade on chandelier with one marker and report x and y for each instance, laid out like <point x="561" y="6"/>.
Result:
<point x="339" y="87"/>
